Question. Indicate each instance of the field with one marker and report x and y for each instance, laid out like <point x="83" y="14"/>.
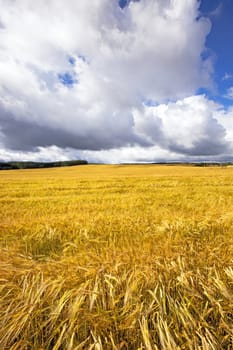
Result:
<point x="116" y="257"/>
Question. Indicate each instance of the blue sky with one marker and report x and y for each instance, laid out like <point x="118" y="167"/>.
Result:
<point x="221" y="44"/>
<point x="128" y="81"/>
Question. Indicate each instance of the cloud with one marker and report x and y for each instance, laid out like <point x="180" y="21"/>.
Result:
<point x="229" y="93"/>
<point x="227" y="76"/>
<point x="77" y="77"/>
<point x="188" y="127"/>
<point x="217" y="11"/>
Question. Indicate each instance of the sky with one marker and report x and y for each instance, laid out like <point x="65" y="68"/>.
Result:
<point x="116" y="81"/>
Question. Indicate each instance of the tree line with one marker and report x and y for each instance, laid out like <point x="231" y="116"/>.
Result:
<point x="34" y="165"/>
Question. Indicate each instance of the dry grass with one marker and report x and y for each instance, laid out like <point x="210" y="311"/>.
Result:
<point x="116" y="257"/>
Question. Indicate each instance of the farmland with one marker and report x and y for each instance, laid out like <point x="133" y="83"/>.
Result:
<point x="116" y="257"/>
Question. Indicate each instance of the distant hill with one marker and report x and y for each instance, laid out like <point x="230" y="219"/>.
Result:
<point x="35" y="165"/>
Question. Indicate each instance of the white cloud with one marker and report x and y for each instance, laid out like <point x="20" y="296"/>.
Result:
<point x="187" y="126"/>
<point x="45" y="154"/>
<point x="148" y="51"/>
<point x="227" y="76"/>
<point x="217" y="11"/>
<point x="229" y="93"/>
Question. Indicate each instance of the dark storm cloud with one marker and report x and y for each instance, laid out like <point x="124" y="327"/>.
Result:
<point x="26" y="135"/>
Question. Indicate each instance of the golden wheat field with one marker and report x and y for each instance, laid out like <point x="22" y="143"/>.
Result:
<point x="116" y="257"/>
